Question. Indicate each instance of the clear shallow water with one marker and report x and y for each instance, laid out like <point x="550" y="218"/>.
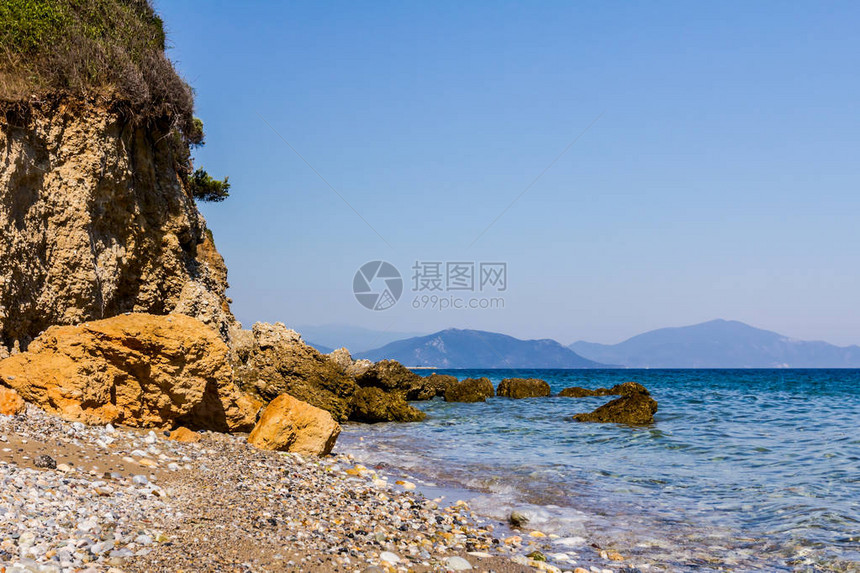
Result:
<point x="743" y="469"/>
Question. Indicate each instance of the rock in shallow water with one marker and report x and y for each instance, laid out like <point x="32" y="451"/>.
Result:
<point x="623" y="389"/>
<point x="518" y="518"/>
<point x="372" y="405"/>
<point x="470" y="390"/>
<point x="633" y="409"/>
<point x="391" y="376"/>
<point x="523" y="388"/>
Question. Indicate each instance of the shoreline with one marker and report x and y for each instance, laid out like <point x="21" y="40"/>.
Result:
<point x="127" y="500"/>
<point x="564" y="550"/>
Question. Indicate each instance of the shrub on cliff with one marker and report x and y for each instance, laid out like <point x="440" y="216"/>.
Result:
<point x="92" y="47"/>
<point x="204" y="187"/>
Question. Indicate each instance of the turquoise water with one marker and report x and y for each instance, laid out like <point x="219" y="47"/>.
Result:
<point x="743" y="469"/>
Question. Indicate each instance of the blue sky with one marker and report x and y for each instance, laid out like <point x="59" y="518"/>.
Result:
<point x="719" y="177"/>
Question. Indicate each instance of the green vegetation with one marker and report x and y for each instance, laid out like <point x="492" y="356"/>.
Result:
<point x="83" y="48"/>
<point x="206" y="188"/>
<point x="103" y="48"/>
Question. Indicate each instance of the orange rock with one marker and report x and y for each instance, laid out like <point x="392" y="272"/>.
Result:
<point x="614" y="556"/>
<point x="183" y="434"/>
<point x="136" y="369"/>
<point x="290" y="425"/>
<point x="10" y="402"/>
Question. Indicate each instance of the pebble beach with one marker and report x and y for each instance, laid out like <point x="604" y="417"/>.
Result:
<point x="78" y="498"/>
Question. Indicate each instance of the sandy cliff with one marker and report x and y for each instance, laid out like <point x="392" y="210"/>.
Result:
<point x="95" y="221"/>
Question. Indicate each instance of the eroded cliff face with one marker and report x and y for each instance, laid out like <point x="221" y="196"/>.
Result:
<point x="95" y="222"/>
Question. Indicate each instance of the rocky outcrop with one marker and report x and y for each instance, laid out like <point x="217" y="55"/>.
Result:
<point x="95" y="221"/>
<point x="372" y="405"/>
<point x="270" y="360"/>
<point x="470" y="390"/>
<point x="350" y="367"/>
<point x="623" y="389"/>
<point x="635" y="406"/>
<point x="290" y="425"/>
<point x="523" y="388"/>
<point x="391" y="376"/>
<point x="137" y="369"/>
<point x="10" y="402"/>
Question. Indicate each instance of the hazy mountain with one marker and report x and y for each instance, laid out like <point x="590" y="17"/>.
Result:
<point x="719" y="344"/>
<point x="321" y="348"/>
<point x="354" y="338"/>
<point x="455" y="348"/>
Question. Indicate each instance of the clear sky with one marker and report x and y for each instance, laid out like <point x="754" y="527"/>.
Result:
<point x="719" y="177"/>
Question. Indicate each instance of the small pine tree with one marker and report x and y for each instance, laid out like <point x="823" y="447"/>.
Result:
<point x="204" y="187"/>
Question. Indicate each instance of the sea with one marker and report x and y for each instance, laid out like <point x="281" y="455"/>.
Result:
<point x="742" y="470"/>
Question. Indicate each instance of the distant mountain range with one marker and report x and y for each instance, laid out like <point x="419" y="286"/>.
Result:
<point x="454" y="348"/>
<point x="355" y="338"/>
<point x="719" y="344"/>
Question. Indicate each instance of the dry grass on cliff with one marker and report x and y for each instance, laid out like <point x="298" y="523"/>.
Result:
<point x="83" y="48"/>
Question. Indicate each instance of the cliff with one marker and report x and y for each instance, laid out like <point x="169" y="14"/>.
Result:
<point x="96" y="220"/>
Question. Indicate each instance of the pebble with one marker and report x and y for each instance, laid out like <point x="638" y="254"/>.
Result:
<point x="389" y="557"/>
<point x="518" y="518"/>
<point x="45" y="461"/>
<point x="455" y="563"/>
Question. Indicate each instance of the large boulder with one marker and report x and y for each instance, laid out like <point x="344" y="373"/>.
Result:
<point x="290" y="425"/>
<point x="372" y="405"/>
<point x="633" y="409"/>
<point x="523" y="388"/>
<point x="470" y="390"/>
<point x="270" y="360"/>
<point x="137" y="369"/>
